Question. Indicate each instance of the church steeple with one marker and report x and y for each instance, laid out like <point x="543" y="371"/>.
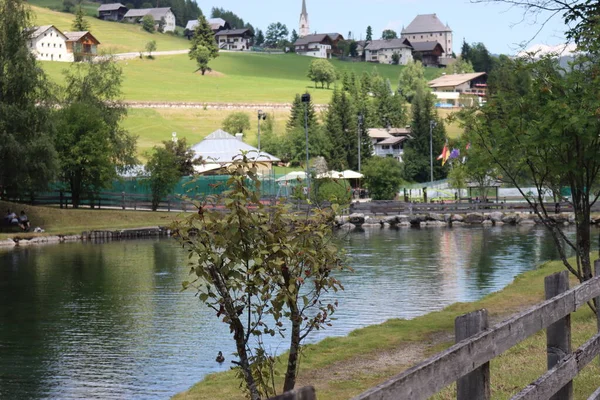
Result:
<point x="304" y="28"/>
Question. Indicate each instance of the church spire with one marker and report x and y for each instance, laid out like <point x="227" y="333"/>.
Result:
<point x="304" y="29"/>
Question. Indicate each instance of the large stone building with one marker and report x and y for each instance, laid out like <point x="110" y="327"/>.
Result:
<point x="429" y="28"/>
<point x="382" y="51"/>
<point x="303" y="29"/>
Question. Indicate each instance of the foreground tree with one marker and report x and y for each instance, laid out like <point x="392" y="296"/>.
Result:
<point x="27" y="156"/>
<point x="204" y="47"/>
<point x="90" y="141"/>
<point x="164" y="174"/>
<point x="546" y="134"/>
<point x="236" y="122"/>
<point x="264" y="271"/>
<point x="185" y="158"/>
<point x="383" y="177"/>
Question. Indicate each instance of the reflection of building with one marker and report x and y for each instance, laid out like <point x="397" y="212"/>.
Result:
<point x="389" y="142"/>
<point x="220" y="148"/>
<point x="460" y="89"/>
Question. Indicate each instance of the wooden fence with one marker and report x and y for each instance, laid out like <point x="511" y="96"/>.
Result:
<point x="385" y="207"/>
<point x="467" y="362"/>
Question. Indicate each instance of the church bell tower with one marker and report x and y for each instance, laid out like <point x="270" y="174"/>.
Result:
<point x="304" y="29"/>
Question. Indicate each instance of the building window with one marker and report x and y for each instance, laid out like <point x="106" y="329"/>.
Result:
<point x="431" y="34"/>
<point x="54" y="44"/>
<point x="59" y="56"/>
<point x="414" y="37"/>
<point x="421" y="36"/>
<point x="385" y="147"/>
<point x="440" y="34"/>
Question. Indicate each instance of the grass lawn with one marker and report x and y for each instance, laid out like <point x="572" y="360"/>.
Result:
<point x="71" y="221"/>
<point x="238" y="77"/>
<point x="153" y="125"/>
<point x="344" y="367"/>
<point x="114" y="37"/>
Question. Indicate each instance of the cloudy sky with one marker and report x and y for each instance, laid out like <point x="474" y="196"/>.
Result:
<point x="501" y="28"/>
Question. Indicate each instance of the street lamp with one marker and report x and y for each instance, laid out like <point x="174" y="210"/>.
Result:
<point x="306" y="99"/>
<point x="431" y="126"/>
<point x="261" y="115"/>
<point x="360" y="122"/>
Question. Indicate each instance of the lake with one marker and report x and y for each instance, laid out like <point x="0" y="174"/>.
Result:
<point x="108" y="321"/>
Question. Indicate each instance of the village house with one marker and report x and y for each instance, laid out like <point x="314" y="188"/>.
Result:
<point x="48" y="43"/>
<point x="221" y="148"/>
<point x="382" y="51"/>
<point x="112" y="12"/>
<point x="234" y="39"/>
<point x="430" y="52"/>
<point x="320" y="45"/>
<point x="389" y="142"/>
<point x="458" y="90"/>
<point x="216" y="24"/>
<point x="429" y="28"/>
<point x="163" y="13"/>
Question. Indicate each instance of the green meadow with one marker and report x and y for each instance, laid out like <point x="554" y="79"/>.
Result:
<point x="114" y="37"/>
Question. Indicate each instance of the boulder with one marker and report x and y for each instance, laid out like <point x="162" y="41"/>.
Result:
<point x="403" y="218"/>
<point x="357" y="219"/>
<point x="404" y="224"/>
<point x="7" y="243"/>
<point x="348" y="226"/>
<point x="473" y="218"/>
<point x="527" y="221"/>
<point x="417" y="219"/>
<point x="499" y="223"/>
<point x="435" y="223"/>
<point x="71" y="238"/>
<point x="496" y="216"/>
<point x="510" y="218"/>
<point x="487" y="222"/>
<point x="435" y="217"/>
<point x="392" y="220"/>
<point x="457" y="218"/>
<point x="457" y="223"/>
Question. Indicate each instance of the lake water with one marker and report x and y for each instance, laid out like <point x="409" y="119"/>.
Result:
<point x="108" y="321"/>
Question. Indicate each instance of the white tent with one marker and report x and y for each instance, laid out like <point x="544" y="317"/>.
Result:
<point x="292" y="176"/>
<point x="349" y="174"/>
<point x="333" y="174"/>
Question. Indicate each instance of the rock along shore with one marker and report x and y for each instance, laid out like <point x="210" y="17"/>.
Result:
<point x="92" y="236"/>
<point x="496" y="218"/>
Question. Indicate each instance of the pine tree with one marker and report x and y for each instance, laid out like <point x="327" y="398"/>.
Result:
<point x="204" y="47"/>
<point x="388" y="106"/>
<point x="369" y="34"/>
<point x="294" y="146"/>
<point x="340" y="127"/>
<point x="416" y="153"/>
<point x="80" y="24"/>
<point x="27" y="155"/>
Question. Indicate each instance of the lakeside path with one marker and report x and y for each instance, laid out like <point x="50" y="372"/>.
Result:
<point x="341" y="368"/>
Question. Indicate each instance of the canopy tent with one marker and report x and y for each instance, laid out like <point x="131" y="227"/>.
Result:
<point x="333" y="174"/>
<point x="349" y="174"/>
<point x="292" y="176"/>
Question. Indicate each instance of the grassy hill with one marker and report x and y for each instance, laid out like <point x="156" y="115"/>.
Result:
<point x="114" y="37"/>
<point x="236" y="77"/>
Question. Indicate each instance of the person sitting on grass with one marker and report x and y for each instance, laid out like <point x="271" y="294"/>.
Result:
<point x="24" y="221"/>
<point x="11" y="218"/>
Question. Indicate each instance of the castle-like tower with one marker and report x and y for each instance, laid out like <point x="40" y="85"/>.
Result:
<point x="304" y="29"/>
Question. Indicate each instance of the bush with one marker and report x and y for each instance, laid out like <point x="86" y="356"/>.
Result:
<point x="236" y="122"/>
<point x="148" y="23"/>
<point x="336" y="191"/>
<point x="383" y="176"/>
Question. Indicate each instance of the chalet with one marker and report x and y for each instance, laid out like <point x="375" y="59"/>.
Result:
<point x="429" y="28"/>
<point x="221" y="148"/>
<point x="460" y="89"/>
<point x="389" y="142"/>
<point x="82" y="45"/>
<point x="163" y="13"/>
<point x="234" y="39"/>
<point x="216" y="24"/>
<point x="320" y="45"/>
<point x="48" y="43"/>
<point x="382" y="51"/>
<point x="430" y="52"/>
<point x="112" y="12"/>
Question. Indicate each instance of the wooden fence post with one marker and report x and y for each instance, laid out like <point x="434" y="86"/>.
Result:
<point x="476" y="384"/>
<point x="558" y="335"/>
<point x="305" y="393"/>
<point x="123" y="200"/>
<point x="168" y="203"/>
<point x="61" y="199"/>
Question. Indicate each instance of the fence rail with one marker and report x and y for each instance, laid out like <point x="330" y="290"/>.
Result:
<point x="467" y="362"/>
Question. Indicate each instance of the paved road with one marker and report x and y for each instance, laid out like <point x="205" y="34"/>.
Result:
<point x="127" y="56"/>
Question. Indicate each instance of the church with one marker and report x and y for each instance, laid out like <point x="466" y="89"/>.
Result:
<point x="320" y="45"/>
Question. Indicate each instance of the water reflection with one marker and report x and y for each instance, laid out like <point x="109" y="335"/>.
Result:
<point x="108" y="321"/>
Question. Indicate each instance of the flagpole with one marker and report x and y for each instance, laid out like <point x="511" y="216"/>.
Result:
<point x="431" y="125"/>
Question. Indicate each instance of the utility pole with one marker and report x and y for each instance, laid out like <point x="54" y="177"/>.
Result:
<point x="261" y="115"/>
<point x="431" y="126"/>
<point x="360" y="122"/>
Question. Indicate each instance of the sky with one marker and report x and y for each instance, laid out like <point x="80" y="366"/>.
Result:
<point x="501" y="28"/>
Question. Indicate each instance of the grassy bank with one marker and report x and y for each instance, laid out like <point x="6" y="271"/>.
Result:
<point x="343" y="367"/>
<point x="72" y="221"/>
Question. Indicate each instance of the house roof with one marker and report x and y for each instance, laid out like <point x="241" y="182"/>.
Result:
<point x="215" y="23"/>
<point x="157" y="13"/>
<point x="234" y="32"/>
<point x="425" y="46"/>
<point x="222" y="147"/>
<point x="335" y="36"/>
<point x="76" y="36"/>
<point x="382" y="133"/>
<point x="111" y="7"/>
<point x="304" y="8"/>
<point x="316" y="38"/>
<point x="425" y="23"/>
<point x="454" y="79"/>
<point x="39" y="30"/>
<point x="387" y="44"/>
<point x="393" y="140"/>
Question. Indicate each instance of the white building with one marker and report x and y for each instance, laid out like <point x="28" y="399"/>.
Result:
<point x="234" y="39"/>
<point x="163" y="13"/>
<point x="48" y="43"/>
<point x="382" y="51"/>
<point x="303" y="27"/>
<point x="389" y="142"/>
<point x="429" y="28"/>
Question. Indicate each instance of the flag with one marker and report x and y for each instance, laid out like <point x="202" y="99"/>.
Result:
<point x="445" y="154"/>
<point x="455" y="153"/>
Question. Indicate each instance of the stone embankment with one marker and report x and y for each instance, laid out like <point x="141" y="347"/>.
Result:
<point x="97" y="235"/>
<point x="443" y="220"/>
